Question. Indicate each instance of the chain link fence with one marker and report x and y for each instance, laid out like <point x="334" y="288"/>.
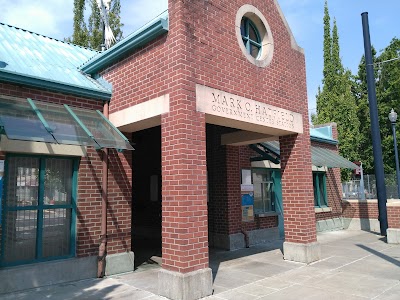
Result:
<point x="352" y="188"/>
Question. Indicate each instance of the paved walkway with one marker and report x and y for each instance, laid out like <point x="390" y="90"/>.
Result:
<point x="354" y="265"/>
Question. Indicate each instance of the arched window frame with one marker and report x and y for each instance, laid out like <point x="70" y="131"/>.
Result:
<point x="247" y="24"/>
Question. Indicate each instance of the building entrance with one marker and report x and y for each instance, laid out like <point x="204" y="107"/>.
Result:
<point x="146" y="204"/>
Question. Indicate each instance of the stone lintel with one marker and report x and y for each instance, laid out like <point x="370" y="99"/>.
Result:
<point x="304" y="253"/>
<point x="190" y="286"/>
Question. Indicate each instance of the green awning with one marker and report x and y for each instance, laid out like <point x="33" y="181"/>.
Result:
<point x="28" y="120"/>
<point x="320" y="157"/>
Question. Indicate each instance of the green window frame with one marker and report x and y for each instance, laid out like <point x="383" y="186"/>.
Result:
<point x="320" y="192"/>
<point x="39" y="209"/>
<point x="251" y="37"/>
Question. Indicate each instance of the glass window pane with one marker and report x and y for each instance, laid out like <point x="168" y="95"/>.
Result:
<point x="65" y="129"/>
<point x="58" y="181"/>
<point x="254" y="50"/>
<point x="20" y="235"/>
<point x="22" y="181"/>
<point x="322" y="190"/>
<point x="104" y="134"/>
<point x="21" y="122"/>
<point x="263" y="191"/>
<point x="267" y="196"/>
<point x="258" y="201"/>
<point x="56" y="232"/>
<point x="315" y="189"/>
<point x="253" y="34"/>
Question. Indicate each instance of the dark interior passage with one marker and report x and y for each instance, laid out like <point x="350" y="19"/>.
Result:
<point x="146" y="204"/>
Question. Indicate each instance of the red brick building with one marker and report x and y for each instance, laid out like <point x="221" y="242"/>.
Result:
<point x="212" y="94"/>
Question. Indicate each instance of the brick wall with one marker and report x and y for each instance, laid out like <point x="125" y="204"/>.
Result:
<point x="201" y="48"/>
<point x="224" y="164"/>
<point x="46" y="96"/>
<point x="209" y="54"/>
<point x="297" y="189"/>
<point x="218" y="189"/>
<point x="333" y="185"/>
<point x="367" y="209"/>
<point x="89" y="182"/>
<point x="143" y="75"/>
<point x="393" y="212"/>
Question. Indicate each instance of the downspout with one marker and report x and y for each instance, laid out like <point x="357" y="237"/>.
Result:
<point x="101" y="264"/>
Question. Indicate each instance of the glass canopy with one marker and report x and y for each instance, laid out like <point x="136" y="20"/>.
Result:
<point x="28" y="120"/>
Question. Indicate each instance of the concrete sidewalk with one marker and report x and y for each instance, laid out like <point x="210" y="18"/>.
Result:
<point x="354" y="265"/>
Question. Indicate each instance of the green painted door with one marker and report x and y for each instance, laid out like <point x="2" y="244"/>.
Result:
<point x="277" y="180"/>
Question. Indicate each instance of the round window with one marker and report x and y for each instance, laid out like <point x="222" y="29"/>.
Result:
<point x="254" y="35"/>
<point x="251" y="37"/>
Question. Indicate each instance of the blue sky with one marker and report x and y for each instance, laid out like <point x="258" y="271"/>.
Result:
<point x="54" y="18"/>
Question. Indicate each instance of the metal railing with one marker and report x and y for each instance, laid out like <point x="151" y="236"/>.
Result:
<point x="352" y="190"/>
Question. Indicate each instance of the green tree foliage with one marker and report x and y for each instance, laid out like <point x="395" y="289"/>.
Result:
<point x="91" y="35"/>
<point x="327" y="44"/>
<point x="387" y="79"/>
<point x="360" y="92"/>
<point x="115" y="20"/>
<point x="95" y="27"/>
<point x="80" y="34"/>
<point x="336" y="102"/>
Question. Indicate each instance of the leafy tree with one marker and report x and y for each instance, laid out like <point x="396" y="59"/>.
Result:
<point x="388" y="94"/>
<point x="336" y="102"/>
<point x="387" y="79"/>
<point x="360" y="92"/>
<point x="91" y="35"/>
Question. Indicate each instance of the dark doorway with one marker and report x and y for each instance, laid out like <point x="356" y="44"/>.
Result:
<point x="146" y="204"/>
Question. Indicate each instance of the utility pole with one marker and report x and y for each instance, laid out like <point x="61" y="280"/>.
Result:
<point x="376" y="136"/>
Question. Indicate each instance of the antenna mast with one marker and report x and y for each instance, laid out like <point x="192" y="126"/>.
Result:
<point x="108" y="36"/>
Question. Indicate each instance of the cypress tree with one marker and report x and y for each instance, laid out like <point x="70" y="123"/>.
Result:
<point x="327" y="44"/>
<point x="95" y="27"/>
<point x="335" y="102"/>
<point x="80" y="33"/>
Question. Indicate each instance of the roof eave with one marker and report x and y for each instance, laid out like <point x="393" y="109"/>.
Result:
<point x="31" y="81"/>
<point x="325" y="141"/>
<point x="141" y="37"/>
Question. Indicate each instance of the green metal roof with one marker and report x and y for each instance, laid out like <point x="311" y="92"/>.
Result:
<point x="320" y="157"/>
<point x="38" y="61"/>
<point x="140" y="37"/>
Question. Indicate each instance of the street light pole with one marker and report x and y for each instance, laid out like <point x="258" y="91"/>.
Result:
<point x="393" y="119"/>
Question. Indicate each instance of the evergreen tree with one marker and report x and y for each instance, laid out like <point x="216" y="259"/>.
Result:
<point x="95" y="27"/>
<point x="92" y="35"/>
<point x="327" y="45"/>
<point x="335" y="102"/>
<point x="80" y="34"/>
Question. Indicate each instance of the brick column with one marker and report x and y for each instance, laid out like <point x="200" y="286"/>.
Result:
<point x="298" y="199"/>
<point x="185" y="273"/>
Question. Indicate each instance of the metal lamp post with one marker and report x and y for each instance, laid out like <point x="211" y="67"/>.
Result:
<point x="393" y="119"/>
